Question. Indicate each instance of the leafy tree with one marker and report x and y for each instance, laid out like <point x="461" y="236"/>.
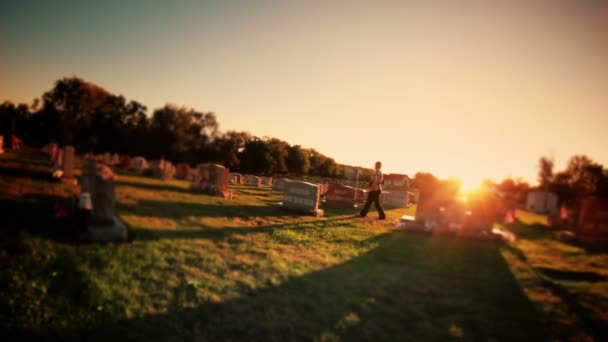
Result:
<point x="515" y="189"/>
<point x="297" y="160"/>
<point x="256" y="157"/>
<point x="279" y="151"/>
<point x="329" y="168"/>
<point x="545" y="172"/>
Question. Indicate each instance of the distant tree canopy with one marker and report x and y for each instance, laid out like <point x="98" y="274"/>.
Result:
<point x="545" y="171"/>
<point x="85" y="115"/>
<point x="582" y="177"/>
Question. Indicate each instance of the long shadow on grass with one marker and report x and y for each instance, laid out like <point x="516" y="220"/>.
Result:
<point x="534" y="231"/>
<point x="147" y="234"/>
<point x="154" y="208"/>
<point x="155" y="187"/>
<point x="18" y="169"/>
<point x="34" y="214"/>
<point x="408" y="287"/>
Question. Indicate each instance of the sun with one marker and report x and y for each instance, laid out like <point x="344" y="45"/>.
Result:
<point x="469" y="184"/>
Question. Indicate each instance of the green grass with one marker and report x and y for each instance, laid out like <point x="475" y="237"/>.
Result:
<point x="208" y="268"/>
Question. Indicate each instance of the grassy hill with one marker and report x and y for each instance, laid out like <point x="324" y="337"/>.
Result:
<point x="209" y="268"/>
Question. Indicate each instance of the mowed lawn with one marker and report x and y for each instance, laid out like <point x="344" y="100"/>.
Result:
<point x="208" y="268"/>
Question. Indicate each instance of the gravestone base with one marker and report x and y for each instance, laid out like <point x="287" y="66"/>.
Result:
<point x="409" y="224"/>
<point x="315" y="213"/>
<point x="69" y="180"/>
<point x="114" y="231"/>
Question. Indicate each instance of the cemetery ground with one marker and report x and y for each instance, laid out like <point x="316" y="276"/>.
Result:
<point x="208" y="268"/>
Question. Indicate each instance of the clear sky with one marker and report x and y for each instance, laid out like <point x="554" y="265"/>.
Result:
<point x="470" y="89"/>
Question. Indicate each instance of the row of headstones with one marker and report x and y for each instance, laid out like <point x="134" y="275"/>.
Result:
<point x="15" y="143"/>
<point x="251" y="180"/>
<point x="305" y="196"/>
<point x="162" y="169"/>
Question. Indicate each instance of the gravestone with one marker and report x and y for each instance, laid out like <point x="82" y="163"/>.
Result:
<point x="107" y="158"/>
<point x="325" y="188"/>
<point x="1" y="144"/>
<point x="115" y="159"/>
<point x="156" y="166"/>
<point x="59" y="159"/>
<point x="126" y="162"/>
<point x="252" y="180"/>
<point x="168" y="170"/>
<point x="361" y="196"/>
<point x="53" y="149"/>
<point x="592" y="226"/>
<point x="183" y="171"/>
<point x="480" y="217"/>
<point x="236" y="178"/>
<point x="302" y="197"/>
<point x="139" y="164"/>
<point x="100" y="182"/>
<point x="340" y="196"/>
<point x="212" y="179"/>
<point x="428" y="206"/>
<point x="68" y="163"/>
<point x="267" y="181"/>
<point x="543" y="202"/>
<point x="395" y="199"/>
<point x="279" y="184"/>
<point x="396" y="190"/>
<point x="396" y="181"/>
<point x="162" y="169"/>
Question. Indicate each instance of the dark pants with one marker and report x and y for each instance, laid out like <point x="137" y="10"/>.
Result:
<point x="373" y="196"/>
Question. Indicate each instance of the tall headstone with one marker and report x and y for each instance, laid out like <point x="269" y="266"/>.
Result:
<point x="59" y="159"/>
<point x="53" y="149"/>
<point x="1" y="144"/>
<point x="302" y="197"/>
<point x="104" y="204"/>
<point x="68" y="163"/>
<point x="100" y="182"/>
<point x="428" y="206"/>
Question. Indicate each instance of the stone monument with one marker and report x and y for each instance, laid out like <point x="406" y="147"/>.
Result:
<point x="340" y="196"/>
<point x="302" y="197"/>
<point x="212" y="179"/>
<point x="279" y="184"/>
<point x="252" y="180"/>
<point x="100" y="182"/>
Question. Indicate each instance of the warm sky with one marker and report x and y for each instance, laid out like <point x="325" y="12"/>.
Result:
<point x="470" y="89"/>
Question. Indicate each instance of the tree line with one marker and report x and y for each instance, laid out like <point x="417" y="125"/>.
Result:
<point x="581" y="178"/>
<point x="80" y="113"/>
